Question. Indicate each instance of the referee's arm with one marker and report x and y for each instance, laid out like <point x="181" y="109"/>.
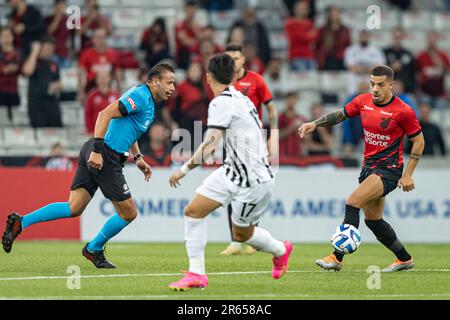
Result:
<point x="104" y="117"/>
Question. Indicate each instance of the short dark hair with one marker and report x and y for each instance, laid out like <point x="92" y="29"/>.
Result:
<point x="222" y="68"/>
<point x="380" y="71"/>
<point x="190" y="3"/>
<point x="233" y="47"/>
<point x="158" y="70"/>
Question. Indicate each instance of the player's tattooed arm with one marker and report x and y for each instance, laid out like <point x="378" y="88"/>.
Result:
<point x="331" y="119"/>
<point x="406" y="182"/>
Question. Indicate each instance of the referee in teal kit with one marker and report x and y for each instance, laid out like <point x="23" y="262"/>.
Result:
<point x="101" y="161"/>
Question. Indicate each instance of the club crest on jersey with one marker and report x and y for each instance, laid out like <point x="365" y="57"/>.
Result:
<point x="385" y="122"/>
<point x="133" y="105"/>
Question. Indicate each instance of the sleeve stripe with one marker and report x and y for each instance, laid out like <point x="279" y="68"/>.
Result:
<point x="415" y="134"/>
<point x="268" y="101"/>
<point x="217" y="127"/>
<point x="122" y="109"/>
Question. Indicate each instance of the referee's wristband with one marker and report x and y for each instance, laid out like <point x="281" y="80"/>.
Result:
<point x="140" y="155"/>
<point x="185" y="169"/>
<point x="99" y="145"/>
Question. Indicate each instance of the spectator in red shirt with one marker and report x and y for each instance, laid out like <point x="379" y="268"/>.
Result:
<point x="56" y="27"/>
<point x="10" y="66"/>
<point x="98" y="98"/>
<point x="190" y="102"/>
<point x="96" y="59"/>
<point x="27" y="24"/>
<point x="301" y="35"/>
<point x="157" y="150"/>
<point x="288" y="123"/>
<point x="92" y="21"/>
<point x="433" y="64"/>
<point x="155" y="43"/>
<point x="332" y="40"/>
<point x="187" y="35"/>
<point x="209" y="33"/>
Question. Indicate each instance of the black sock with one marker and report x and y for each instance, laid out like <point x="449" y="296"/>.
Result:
<point x="230" y="211"/>
<point x="352" y="218"/>
<point x="386" y="235"/>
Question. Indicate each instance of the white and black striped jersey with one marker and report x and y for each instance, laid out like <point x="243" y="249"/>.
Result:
<point x="246" y="161"/>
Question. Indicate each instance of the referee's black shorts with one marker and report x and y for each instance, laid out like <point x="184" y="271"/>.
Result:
<point x="110" y="179"/>
<point x="389" y="176"/>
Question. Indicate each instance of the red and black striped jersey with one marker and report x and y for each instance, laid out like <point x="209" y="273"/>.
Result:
<point x="384" y="127"/>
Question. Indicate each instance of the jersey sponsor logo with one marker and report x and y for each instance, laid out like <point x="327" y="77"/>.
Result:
<point x="376" y="139"/>
<point x="368" y="108"/>
<point x="245" y="84"/>
<point x="386" y="113"/>
<point x="133" y="105"/>
<point x="385" y="122"/>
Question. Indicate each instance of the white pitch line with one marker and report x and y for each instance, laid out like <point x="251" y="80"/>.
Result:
<point x="178" y="274"/>
<point x="183" y="296"/>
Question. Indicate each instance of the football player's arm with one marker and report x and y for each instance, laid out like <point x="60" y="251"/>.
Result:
<point x="203" y="154"/>
<point x="418" y="144"/>
<point x="328" y="120"/>
<point x="274" y="134"/>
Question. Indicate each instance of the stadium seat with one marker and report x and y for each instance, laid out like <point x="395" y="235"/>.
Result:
<point x="130" y="77"/>
<point x="333" y="81"/>
<point x="441" y="21"/>
<point x="420" y="20"/>
<point x="70" y="116"/>
<point x="69" y="79"/>
<point x="307" y="80"/>
<point x="125" y="38"/>
<point x="18" y="136"/>
<point x="128" y="18"/>
<point x="415" y="41"/>
<point x="109" y="3"/>
<point x="20" y="117"/>
<point x="180" y="75"/>
<point x="4" y="120"/>
<point x="223" y="20"/>
<point x="381" y="38"/>
<point x="46" y="137"/>
<point x="278" y="41"/>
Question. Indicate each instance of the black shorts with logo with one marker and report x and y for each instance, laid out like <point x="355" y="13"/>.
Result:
<point x="389" y="176"/>
<point x="110" y="179"/>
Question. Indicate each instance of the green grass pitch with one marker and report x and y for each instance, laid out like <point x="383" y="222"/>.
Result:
<point x="144" y="270"/>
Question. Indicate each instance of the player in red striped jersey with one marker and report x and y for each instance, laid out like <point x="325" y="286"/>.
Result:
<point x="385" y="120"/>
<point x="254" y="87"/>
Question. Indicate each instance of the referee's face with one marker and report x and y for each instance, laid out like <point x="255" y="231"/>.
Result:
<point x="165" y="86"/>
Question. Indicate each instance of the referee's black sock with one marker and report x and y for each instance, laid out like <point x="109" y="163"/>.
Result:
<point x="386" y="235"/>
<point x="352" y="218"/>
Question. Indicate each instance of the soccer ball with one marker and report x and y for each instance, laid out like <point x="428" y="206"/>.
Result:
<point x="346" y="239"/>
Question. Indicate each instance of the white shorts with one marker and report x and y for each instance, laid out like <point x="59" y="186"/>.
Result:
<point x="248" y="204"/>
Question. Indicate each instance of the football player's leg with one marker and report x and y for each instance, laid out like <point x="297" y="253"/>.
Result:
<point x="234" y="247"/>
<point x="195" y="230"/>
<point x="384" y="233"/>
<point x="369" y="190"/>
<point x="195" y="241"/>
<point x="126" y="213"/>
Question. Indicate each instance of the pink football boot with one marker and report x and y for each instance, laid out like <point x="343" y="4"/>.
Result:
<point x="189" y="281"/>
<point x="280" y="264"/>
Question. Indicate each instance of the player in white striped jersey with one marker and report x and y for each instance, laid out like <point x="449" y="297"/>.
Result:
<point x="245" y="179"/>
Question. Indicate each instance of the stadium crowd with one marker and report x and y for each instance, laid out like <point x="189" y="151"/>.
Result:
<point x="39" y="47"/>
